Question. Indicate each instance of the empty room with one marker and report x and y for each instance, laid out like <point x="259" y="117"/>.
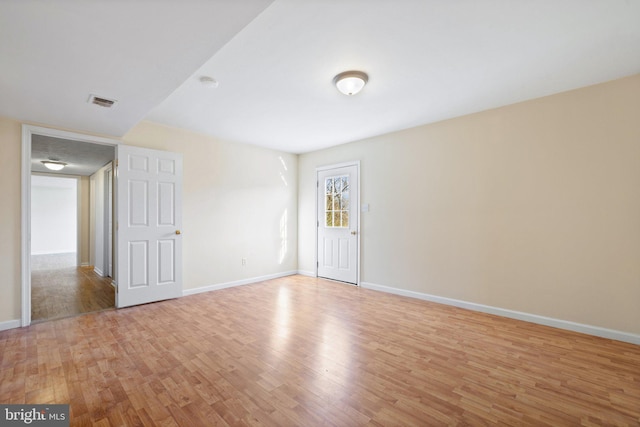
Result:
<point x="301" y="213"/>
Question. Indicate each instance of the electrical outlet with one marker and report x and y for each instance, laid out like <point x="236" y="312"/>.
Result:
<point x="244" y="262"/>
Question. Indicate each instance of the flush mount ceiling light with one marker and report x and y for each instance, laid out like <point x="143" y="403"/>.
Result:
<point x="54" y="165"/>
<point x="350" y="82"/>
<point x="209" y="82"/>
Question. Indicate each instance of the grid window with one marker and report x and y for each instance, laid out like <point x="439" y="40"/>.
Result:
<point x="337" y="203"/>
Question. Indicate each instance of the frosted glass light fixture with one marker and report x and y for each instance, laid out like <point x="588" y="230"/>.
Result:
<point x="54" y="165"/>
<point x="350" y="82"/>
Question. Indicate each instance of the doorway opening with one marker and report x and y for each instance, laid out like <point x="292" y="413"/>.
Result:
<point x="144" y="198"/>
<point x="59" y="278"/>
<point x="59" y="286"/>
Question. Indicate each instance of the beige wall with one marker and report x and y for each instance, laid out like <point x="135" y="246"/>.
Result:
<point x="533" y="207"/>
<point x="239" y="201"/>
<point x="10" y="183"/>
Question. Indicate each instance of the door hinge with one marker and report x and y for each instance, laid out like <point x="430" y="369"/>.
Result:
<point x="317" y="264"/>
<point x="117" y="162"/>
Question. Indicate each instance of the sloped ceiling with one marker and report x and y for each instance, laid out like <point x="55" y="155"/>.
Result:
<point x="427" y="60"/>
<point x="55" y="54"/>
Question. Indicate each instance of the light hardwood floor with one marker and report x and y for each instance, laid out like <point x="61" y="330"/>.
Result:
<point x="60" y="289"/>
<point x="298" y="351"/>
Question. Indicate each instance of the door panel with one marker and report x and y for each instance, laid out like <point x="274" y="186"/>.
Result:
<point x="138" y="203"/>
<point x="149" y="197"/>
<point x="343" y="254"/>
<point x="139" y="264"/>
<point x="166" y="195"/>
<point x="166" y="255"/>
<point x="327" y="260"/>
<point x="337" y="220"/>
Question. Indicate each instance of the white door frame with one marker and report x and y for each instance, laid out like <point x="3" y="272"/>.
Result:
<point x="108" y="221"/>
<point x="355" y="163"/>
<point x="25" y="233"/>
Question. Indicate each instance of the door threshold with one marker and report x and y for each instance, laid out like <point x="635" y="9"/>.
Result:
<point x="338" y="281"/>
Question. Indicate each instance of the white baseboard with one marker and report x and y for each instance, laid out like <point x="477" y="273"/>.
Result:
<point x="10" y="324"/>
<point x="527" y="317"/>
<point x="248" y="281"/>
<point x="98" y="271"/>
<point x="307" y="273"/>
<point x="52" y="253"/>
<point x="84" y="264"/>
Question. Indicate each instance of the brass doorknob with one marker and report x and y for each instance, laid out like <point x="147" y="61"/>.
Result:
<point x="178" y="232"/>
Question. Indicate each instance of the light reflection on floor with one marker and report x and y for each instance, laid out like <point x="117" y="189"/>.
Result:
<point x="282" y="319"/>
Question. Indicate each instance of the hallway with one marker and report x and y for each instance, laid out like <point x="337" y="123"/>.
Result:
<point x="60" y="289"/>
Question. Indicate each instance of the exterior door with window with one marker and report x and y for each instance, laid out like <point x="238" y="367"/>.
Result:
<point x="338" y="223"/>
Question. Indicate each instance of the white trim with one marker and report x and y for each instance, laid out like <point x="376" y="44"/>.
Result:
<point x="108" y="217"/>
<point x="235" y="283"/>
<point x="78" y="220"/>
<point x="98" y="271"/>
<point x="319" y="169"/>
<point x="84" y="264"/>
<point x="73" y="136"/>
<point x="25" y="226"/>
<point x="10" y="324"/>
<point x="519" y="315"/>
<point x="307" y="273"/>
<point x="337" y="166"/>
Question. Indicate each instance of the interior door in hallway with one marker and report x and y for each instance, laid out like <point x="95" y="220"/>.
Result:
<point x="337" y="222"/>
<point x="149" y="198"/>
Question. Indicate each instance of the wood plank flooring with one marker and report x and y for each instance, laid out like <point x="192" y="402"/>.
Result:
<point x="299" y="351"/>
<point x="59" y="289"/>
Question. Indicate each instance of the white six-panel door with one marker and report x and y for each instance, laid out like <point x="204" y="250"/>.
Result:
<point x="149" y="206"/>
<point x="337" y="221"/>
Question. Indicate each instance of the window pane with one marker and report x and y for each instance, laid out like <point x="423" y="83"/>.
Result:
<point x="328" y="184"/>
<point x="336" y="219"/>
<point x="337" y="201"/>
<point x="345" y="218"/>
<point x="344" y="202"/>
<point x="345" y="183"/>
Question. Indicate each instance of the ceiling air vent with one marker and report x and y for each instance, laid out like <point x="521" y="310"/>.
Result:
<point x="103" y="102"/>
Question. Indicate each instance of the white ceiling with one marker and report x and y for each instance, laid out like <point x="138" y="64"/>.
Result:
<point x="55" y="53"/>
<point x="427" y="60"/>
